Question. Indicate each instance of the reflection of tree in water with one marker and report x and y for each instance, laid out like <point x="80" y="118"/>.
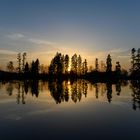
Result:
<point x="20" y="93"/>
<point x="78" y="88"/>
<point x="74" y="95"/>
<point x="26" y="86"/>
<point x="109" y="91"/>
<point x="96" y="90"/>
<point x="118" y="88"/>
<point x="66" y="91"/>
<point x="34" y="87"/>
<point x="60" y="90"/>
<point x="23" y="88"/>
<point x="84" y="87"/>
<point x="9" y="89"/>
<point x="135" y="86"/>
<point x="56" y="90"/>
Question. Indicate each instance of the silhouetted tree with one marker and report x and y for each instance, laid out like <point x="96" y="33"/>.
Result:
<point x="79" y="65"/>
<point x="66" y="63"/>
<point x="23" y="61"/>
<point x="74" y="64"/>
<point x="84" y="67"/>
<point x="27" y="70"/>
<point x="109" y="64"/>
<point x="57" y="65"/>
<point x="135" y="62"/>
<point x="19" y="62"/>
<point x="118" y="68"/>
<point x="132" y="59"/>
<point x="10" y="66"/>
<point x="96" y="64"/>
<point x="35" y="68"/>
<point x="60" y="64"/>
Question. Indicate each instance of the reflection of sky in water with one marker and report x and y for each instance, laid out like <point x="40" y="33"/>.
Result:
<point x="89" y="112"/>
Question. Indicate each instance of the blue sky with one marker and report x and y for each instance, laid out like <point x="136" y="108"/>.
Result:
<point x="92" y="28"/>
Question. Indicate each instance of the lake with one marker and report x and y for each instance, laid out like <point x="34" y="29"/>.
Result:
<point x="69" y="110"/>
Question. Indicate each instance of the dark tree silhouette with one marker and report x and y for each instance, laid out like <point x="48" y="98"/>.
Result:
<point x="10" y="66"/>
<point x="23" y="61"/>
<point x="109" y="64"/>
<point x="135" y="62"/>
<point x="84" y="67"/>
<point x="35" y="68"/>
<point x="132" y="59"/>
<point x="19" y="62"/>
<point x="74" y="64"/>
<point x="96" y="64"/>
<point x="57" y="65"/>
<point x="118" y="68"/>
<point x="66" y="63"/>
<point x="79" y="65"/>
<point x="26" y="70"/>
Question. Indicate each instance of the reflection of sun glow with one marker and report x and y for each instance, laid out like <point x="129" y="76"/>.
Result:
<point x="69" y="69"/>
<point x="68" y="82"/>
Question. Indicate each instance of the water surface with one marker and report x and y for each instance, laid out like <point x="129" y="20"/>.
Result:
<point x="69" y="110"/>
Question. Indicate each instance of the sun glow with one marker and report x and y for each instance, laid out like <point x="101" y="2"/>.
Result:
<point x="69" y="69"/>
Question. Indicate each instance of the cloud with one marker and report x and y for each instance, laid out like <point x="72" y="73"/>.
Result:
<point x="15" y="36"/>
<point x="40" y="42"/>
<point x="8" y="52"/>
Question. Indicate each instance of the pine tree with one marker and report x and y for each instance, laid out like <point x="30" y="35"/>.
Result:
<point x="66" y="63"/>
<point x="10" y="66"/>
<point x="74" y="64"/>
<point x="79" y="65"/>
<point x="96" y="64"/>
<point x="23" y="61"/>
<point x="19" y="62"/>
<point x="109" y="64"/>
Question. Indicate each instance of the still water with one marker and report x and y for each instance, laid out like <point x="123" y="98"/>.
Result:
<point x="69" y="110"/>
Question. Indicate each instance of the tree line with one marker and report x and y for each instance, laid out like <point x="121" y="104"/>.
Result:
<point x="77" y="66"/>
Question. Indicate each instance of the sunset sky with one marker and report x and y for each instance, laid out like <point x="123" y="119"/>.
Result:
<point x="92" y="28"/>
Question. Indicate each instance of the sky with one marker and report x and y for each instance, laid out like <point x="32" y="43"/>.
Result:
<point x="91" y="28"/>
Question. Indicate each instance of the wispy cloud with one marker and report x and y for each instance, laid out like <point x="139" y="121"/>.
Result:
<point x="15" y="36"/>
<point x="8" y="52"/>
<point x="40" y="42"/>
